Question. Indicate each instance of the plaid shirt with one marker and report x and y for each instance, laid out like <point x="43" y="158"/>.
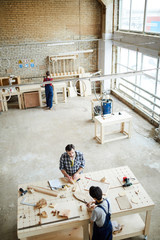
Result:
<point x="65" y="163"/>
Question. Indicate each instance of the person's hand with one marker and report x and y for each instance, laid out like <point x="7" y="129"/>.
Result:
<point x="70" y="179"/>
<point x="91" y="205"/>
<point x="76" y="176"/>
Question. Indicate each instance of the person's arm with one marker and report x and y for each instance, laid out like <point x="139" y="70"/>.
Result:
<point x="77" y="175"/>
<point x="67" y="176"/>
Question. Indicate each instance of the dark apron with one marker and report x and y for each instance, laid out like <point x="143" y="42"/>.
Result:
<point x="104" y="232"/>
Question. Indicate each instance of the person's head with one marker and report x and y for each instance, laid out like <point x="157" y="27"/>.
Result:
<point x="48" y="73"/>
<point x="70" y="149"/>
<point x="95" y="192"/>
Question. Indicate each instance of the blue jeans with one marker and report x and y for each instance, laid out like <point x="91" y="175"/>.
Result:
<point x="49" y="95"/>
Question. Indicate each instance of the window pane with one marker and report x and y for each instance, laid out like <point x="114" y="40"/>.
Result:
<point x="132" y="60"/>
<point x="153" y="16"/>
<point x="137" y="15"/>
<point x="150" y="63"/>
<point x="157" y="109"/>
<point x="124" y="14"/>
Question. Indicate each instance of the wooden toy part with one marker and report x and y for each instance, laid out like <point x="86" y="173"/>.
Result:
<point x="64" y="213"/>
<point x="103" y="179"/>
<point x="52" y="205"/>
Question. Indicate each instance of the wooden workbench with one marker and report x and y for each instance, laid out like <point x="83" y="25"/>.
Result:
<point x="28" y="221"/>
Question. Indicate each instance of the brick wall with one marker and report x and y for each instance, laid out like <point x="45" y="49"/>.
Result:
<point x="27" y="26"/>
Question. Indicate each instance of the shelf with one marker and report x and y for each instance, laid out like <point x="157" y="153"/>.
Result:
<point x="133" y="226"/>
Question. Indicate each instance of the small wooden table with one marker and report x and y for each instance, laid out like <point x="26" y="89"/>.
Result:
<point x="28" y="221"/>
<point x="105" y="126"/>
<point x="56" y="86"/>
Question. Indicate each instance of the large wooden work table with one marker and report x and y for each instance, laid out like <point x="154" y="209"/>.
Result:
<point x="133" y="225"/>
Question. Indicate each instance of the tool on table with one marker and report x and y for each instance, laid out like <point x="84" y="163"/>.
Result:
<point x="127" y="182"/>
<point x="22" y="191"/>
<point x="28" y="204"/>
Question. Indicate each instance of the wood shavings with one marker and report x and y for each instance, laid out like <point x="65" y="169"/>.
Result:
<point x="54" y="213"/>
<point x="81" y="208"/>
<point x="41" y="203"/>
<point x="43" y="214"/>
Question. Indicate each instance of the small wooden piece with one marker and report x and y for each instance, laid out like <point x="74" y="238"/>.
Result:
<point x="103" y="179"/>
<point x="64" y="213"/>
<point x="121" y="194"/>
<point x="51" y="205"/>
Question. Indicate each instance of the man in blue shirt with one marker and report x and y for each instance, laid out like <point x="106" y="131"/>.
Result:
<point x="72" y="163"/>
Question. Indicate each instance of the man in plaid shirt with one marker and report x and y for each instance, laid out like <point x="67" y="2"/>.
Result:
<point x="71" y="163"/>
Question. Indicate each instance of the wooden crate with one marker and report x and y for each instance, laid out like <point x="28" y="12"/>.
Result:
<point x="31" y="99"/>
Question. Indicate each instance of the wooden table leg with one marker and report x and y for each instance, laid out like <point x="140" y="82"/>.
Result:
<point x="102" y="134"/>
<point x="55" y="96"/>
<point x="85" y="232"/>
<point x="95" y="129"/>
<point x="91" y="230"/>
<point x="64" y="94"/>
<point x="147" y="222"/>
<point x="129" y="129"/>
<point x="40" y="98"/>
<point x="19" y="101"/>
<point x="122" y="127"/>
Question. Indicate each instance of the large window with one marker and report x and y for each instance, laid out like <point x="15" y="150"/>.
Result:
<point x="142" y="90"/>
<point x="139" y="15"/>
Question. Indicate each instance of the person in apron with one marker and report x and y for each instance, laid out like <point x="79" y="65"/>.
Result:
<point x="48" y="91"/>
<point x="102" y="226"/>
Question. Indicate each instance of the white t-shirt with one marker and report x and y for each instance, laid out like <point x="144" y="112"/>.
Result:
<point x="98" y="214"/>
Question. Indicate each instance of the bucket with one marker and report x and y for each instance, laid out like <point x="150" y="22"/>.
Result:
<point x="107" y="106"/>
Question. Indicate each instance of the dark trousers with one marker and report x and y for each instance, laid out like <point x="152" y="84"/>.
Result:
<point x="49" y="95"/>
<point x="104" y="232"/>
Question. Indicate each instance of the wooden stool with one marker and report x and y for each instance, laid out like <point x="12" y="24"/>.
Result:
<point x="56" y="87"/>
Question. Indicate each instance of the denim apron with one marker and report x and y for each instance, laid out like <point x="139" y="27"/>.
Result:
<point x="104" y="232"/>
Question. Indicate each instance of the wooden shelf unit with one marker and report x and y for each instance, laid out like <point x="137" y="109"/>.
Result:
<point x="4" y="81"/>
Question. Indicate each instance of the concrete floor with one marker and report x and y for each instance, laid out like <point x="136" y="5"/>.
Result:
<point x="32" y="140"/>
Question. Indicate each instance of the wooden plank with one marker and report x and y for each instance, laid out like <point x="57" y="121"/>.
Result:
<point x="44" y="190"/>
<point x="123" y="203"/>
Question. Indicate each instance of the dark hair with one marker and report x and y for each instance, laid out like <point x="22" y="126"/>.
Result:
<point x="48" y="73"/>
<point x="69" y="147"/>
<point x="95" y="192"/>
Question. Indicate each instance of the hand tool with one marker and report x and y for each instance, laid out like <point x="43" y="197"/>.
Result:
<point x="28" y="204"/>
<point x="127" y="182"/>
<point x="22" y="191"/>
